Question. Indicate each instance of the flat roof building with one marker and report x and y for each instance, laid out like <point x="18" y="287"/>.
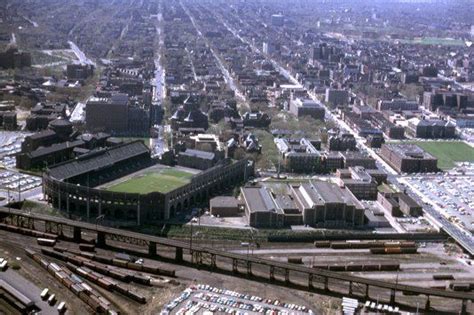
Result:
<point x="314" y="203"/>
<point x="224" y="206"/>
<point x="201" y="160"/>
<point x="431" y="128"/>
<point x="409" y="158"/>
<point x="361" y="182"/>
<point x="300" y="155"/>
<point x="399" y="204"/>
<point x="307" y="107"/>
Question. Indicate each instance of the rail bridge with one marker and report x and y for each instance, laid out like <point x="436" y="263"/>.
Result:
<point x="213" y="259"/>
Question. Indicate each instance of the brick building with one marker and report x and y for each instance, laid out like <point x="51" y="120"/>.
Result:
<point x="409" y="158"/>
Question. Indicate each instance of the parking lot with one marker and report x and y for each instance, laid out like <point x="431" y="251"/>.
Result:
<point x="464" y="168"/>
<point x="451" y="194"/>
<point x="10" y="144"/>
<point x="202" y="298"/>
<point x="13" y="181"/>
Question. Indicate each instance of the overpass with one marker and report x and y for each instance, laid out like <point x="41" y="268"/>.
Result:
<point x="216" y="260"/>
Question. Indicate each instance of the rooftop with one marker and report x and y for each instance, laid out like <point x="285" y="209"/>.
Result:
<point x="97" y="160"/>
<point x="409" y="151"/>
<point x="198" y="153"/>
<point x="224" y="202"/>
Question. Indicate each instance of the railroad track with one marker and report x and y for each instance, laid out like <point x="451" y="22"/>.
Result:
<point x="201" y="256"/>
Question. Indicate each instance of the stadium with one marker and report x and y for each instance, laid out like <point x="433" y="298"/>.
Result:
<point x="123" y="183"/>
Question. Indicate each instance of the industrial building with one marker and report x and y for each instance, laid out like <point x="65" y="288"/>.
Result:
<point x="318" y="204"/>
<point x="224" y="206"/>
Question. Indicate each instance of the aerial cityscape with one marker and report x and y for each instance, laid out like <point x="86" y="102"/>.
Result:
<point x="236" y="157"/>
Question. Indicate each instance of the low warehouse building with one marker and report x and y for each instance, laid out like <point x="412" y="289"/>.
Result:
<point x="224" y="206"/>
<point x="314" y="203"/>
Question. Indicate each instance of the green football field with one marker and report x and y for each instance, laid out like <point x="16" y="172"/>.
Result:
<point x="448" y="152"/>
<point x="158" y="181"/>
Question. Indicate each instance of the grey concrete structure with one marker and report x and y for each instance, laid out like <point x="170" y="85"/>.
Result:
<point x="71" y="186"/>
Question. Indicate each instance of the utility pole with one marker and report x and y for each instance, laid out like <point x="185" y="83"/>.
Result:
<point x="245" y="171"/>
<point x="100" y="218"/>
<point x="279" y="165"/>
<point x="191" y="241"/>
<point x="8" y="198"/>
<point x="19" y="190"/>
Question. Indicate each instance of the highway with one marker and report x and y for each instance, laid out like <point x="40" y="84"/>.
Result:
<point x="80" y="55"/>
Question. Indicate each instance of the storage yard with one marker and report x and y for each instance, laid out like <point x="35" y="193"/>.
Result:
<point x="404" y="261"/>
<point x="67" y="271"/>
<point x="111" y="279"/>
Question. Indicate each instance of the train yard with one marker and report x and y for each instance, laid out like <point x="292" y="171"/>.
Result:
<point x="167" y="264"/>
<point x="156" y="289"/>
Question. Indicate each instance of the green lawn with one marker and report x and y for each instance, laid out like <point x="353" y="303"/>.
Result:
<point x="160" y="181"/>
<point x="448" y="152"/>
<point x="434" y="41"/>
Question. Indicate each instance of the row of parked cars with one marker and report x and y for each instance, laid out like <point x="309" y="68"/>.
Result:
<point x="14" y="181"/>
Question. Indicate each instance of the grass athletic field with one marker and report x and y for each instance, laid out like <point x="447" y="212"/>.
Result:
<point x="162" y="181"/>
<point x="448" y="152"/>
<point x="434" y="41"/>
